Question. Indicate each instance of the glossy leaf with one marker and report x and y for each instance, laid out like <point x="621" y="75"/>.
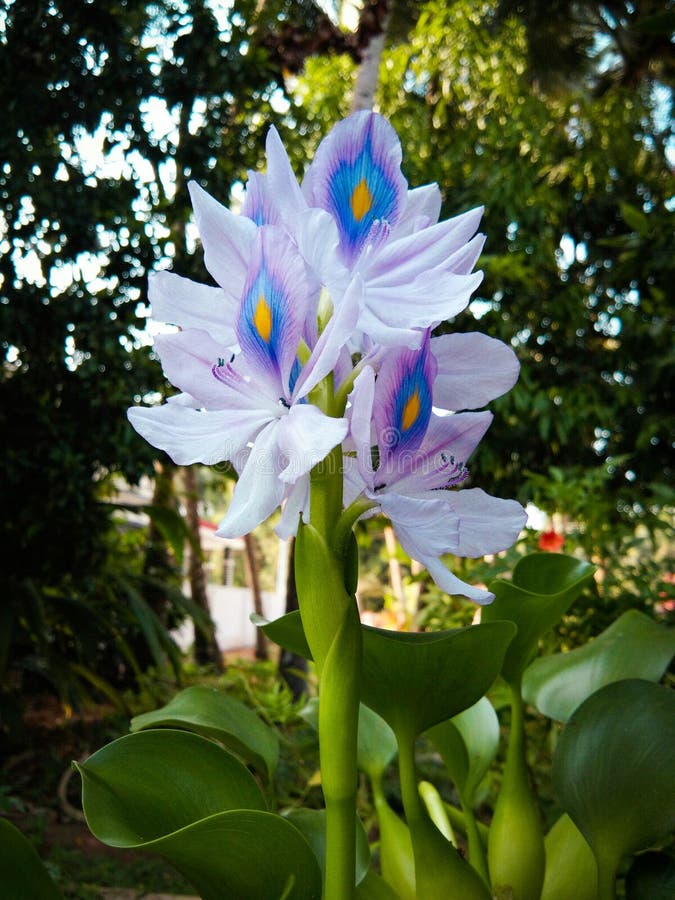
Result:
<point x="213" y="714"/>
<point x="543" y="587"/>
<point x="188" y="799"/>
<point x="312" y="824"/>
<point x="287" y="632"/>
<point x="571" y="870"/>
<point x="468" y="744"/>
<point x="613" y="770"/>
<point x="632" y="647"/>
<point x="23" y="875"/>
<point x="127" y="785"/>
<point x="415" y="680"/>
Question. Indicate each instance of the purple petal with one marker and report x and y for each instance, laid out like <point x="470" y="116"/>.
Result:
<point x="356" y="176"/>
<point x="430" y="248"/>
<point x="274" y="306"/>
<point x="188" y="358"/>
<point x="473" y="369"/>
<point x="259" y="205"/>
<point x="441" y="459"/>
<point x="226" y="240"/>
<point x="402" y="407"/>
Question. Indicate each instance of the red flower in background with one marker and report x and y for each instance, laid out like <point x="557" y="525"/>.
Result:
<point x="551" y="541"/>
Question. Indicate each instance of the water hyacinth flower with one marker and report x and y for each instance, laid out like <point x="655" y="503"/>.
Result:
<point x="417" y="458"/>
<point x="321" y="290"/>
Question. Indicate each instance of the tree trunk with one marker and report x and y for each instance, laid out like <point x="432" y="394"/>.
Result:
<point x="368" y="73"/>
<point x="206" y="651"/>
<point x="251" y="563"/>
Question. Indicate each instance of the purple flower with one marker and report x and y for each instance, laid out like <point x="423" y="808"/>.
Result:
<point x="407" y="460"/>
<point x="251" y="408"/>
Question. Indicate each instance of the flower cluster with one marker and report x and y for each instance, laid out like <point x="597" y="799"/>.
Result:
<point x="318" y="335"/>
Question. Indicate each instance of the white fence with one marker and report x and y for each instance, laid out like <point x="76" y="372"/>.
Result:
<point x="230" y="610"/>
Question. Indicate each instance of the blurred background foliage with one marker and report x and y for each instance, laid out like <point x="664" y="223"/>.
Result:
<point x="556" y="117"/>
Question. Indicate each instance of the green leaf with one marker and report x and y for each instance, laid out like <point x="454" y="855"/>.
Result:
<point x="571" y="870"/>
<point x="287" y="632"/>
<point x="468" y="744"/>
<point x="213" y="714"/>
<point x="23" y="875"/>
<point x="543" y="587"/>
<point x="651" y="877"/>
<point x="312" y="824"/>
<point x="374" y="887"/>
<point x="397" y="862"/>
<point x="189" y="800"/>
<point x="247" y="854"/>
<point x="415" y="681"/>
<point x="632" y="647"/>
<point x="127" y="786"/>
<point x="613" y="770"/>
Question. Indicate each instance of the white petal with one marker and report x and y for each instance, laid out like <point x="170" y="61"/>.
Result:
<point x="335" y="335"/>
<point x="259" y="490"/>
<point x="190" y="435"/>
<point x="451" y="584"/>
<point x="306" y="436"/>
<point x="188" y="304"/>
<point x="297" y="503"/>
<point x="187" y="360"/>
<point x="422" y="208"/>
<point x="361" y="421"/>
<point x="487" y="524"/>
<point x="316" y="235"/>
<point x="280" y="180"/>
<point x="473" y="369"/>
<point x="226" y="239"/>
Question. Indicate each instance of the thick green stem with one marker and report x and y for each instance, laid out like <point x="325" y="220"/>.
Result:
<point x="516" y="845"/>
<point x="333" y="630"/>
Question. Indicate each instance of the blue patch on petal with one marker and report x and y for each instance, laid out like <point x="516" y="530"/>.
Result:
<point x="261" y="322"/>
<point x="403" y="401"/>
<point x="361" y="192"/>
<point x="412" y="407"/>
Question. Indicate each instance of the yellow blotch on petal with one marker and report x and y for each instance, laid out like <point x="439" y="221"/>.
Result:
<point x="262" y="319"/>
<point x="411" y="411"/>
<point x="361" y="201"/>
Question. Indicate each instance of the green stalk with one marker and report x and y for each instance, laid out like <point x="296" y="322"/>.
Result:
<point x="476" y="846"/>
<point x="606" y="877"/>
<point x="333" y="630"/>
<point x="516" y="853"/>
<point x="439" y="869"/>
